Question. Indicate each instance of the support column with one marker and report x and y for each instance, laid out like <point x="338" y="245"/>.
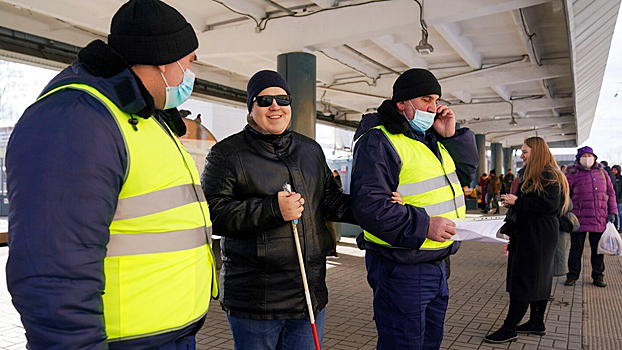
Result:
<point x="496" y="158"/>
<point x="508" y="160"/>
<point x="299" y="69"/>
<point x="480" y="141"/>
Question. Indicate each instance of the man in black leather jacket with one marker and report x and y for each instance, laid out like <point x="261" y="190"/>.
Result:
<point x="243" y="180"/>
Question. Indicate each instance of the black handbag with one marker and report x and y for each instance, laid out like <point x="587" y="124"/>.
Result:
<point x="509" y="228"/>
<point x="569" y="222"/>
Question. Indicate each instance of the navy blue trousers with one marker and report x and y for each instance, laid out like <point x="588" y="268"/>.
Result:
<point x="410" y="302"/>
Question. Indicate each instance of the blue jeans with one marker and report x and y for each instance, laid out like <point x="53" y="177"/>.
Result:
<point x="293" y="334"/>
<point x="617" y="222"/>
<point x="185" y="343"/>
<point x="410" y="302"/>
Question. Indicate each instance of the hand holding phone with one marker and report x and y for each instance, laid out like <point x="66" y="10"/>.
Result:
<point x="444" y="121"/>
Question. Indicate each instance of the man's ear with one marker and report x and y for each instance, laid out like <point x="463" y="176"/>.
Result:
<point x="401" y="106"/>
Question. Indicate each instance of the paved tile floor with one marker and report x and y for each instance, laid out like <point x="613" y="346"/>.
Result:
<point x="580" y="317"/>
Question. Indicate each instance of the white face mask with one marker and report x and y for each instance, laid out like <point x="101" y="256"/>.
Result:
<point x="587" y="161"/>
<point x="176" y="95"/>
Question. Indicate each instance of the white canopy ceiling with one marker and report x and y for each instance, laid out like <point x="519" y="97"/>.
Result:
<point x="543" y="60"/>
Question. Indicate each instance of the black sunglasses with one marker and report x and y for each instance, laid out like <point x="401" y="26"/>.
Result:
<point x="266" y="100"/>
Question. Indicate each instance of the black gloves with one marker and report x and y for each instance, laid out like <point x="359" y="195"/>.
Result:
<point x="611" y="217"/>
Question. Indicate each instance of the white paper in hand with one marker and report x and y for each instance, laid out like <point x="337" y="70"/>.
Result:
<point x="482" y="229"/>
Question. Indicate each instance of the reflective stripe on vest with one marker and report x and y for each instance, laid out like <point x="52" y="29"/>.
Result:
<point x="159" y="268"/>
<point x="425" y="182"/>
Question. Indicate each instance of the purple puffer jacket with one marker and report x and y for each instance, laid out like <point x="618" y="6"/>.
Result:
<point x="592" y="195"/>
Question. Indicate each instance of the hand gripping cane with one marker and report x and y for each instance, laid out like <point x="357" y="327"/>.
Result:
<point x="287" y="187"/>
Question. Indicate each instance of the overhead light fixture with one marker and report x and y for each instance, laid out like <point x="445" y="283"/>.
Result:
<point x="512" y="122"/>
<point x="424" y="47"/>
<point x="326" y="111"/>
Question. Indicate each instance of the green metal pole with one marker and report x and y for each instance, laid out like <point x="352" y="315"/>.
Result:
<point x="299" y="69"/>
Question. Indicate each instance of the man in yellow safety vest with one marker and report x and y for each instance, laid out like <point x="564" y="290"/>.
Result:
<point x="110" y="238"/>
<point x="410" y="146"/>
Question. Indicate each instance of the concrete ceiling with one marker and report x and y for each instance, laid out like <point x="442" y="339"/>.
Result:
<point x="542" y="60"/>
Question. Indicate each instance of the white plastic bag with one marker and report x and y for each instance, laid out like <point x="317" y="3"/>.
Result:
<point x="610" y="243"/>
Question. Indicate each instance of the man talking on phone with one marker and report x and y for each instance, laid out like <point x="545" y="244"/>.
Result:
<point x="410" y="146"/>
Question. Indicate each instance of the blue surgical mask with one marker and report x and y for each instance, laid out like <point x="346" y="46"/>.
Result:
<point x="176" y="95"/>
<point x="422" y="120"/>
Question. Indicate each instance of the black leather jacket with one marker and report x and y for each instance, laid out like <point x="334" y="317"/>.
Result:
<point x="260" y="277"/>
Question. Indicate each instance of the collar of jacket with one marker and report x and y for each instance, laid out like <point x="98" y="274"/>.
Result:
<point x="392" y="119"/>
<point x="103" y="61"/>
<point x="576" y="167"/>
<point x="278" y="141"/>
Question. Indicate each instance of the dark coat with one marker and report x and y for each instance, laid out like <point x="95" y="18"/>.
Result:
<point x="260" y="277"/>
<point x="532" y="246"/>
<point x="66" y="163"/>
<point x="617" y="182"/>
<point x="593" y="196"/>
<point x="375" y="175"/>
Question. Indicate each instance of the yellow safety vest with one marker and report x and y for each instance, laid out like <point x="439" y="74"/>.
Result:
<point x="159" y="267"/>
<point x="426" y="182"/>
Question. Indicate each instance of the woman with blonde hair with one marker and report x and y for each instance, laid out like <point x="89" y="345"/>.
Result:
<point x="542" y="196"/>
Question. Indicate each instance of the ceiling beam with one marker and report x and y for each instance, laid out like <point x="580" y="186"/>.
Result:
<point x="86" y="15"/>
<point x="339" y="26"/>
<point x="503" y="76"/>
<point x="351" y="62"/>
<point x="502" y="125"/>
<point x="542" y="132"/>
<point x="480" y="110"/>
<point x="462" y="96"/>
<point x="325" y="3"/>
<point x="402" y="52"/>
<point x="371" y="100"/>
<point x="503" y="91"/>
<point x="447" y="11"/>
<point x="517" y="141"/>
<point x="343" y="24"/>
<point x="462" y="45"/>
<point x="246" y="7"/>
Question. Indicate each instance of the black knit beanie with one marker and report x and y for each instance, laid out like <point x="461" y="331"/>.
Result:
<point x="151" y="32"/>
<point x="263" y="80"/>
<point x="415" y="82"/>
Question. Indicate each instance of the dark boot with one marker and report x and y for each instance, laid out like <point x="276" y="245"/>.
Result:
<point x="531" y="327"/>
<point x="535" y="325"/>
<point x="503" y="335"/>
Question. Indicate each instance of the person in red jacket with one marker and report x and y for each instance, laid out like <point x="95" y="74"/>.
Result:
<point x="594" y="202"/>
<point x="482" y="186"/>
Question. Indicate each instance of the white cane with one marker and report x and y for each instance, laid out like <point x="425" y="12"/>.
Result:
<point x="287" y="187"/>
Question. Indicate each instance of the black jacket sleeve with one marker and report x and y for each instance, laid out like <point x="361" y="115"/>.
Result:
<point x="229" y="214"/>
<point x="65" y="171"/>
<point x="463" y="151"/>
<point x="375" y="176"/>
<point x="336" y="203"/>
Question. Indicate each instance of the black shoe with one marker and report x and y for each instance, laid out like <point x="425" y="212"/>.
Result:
<point x="600" y="284"/>
<point x="496" y="211"/>
<point x="503" y="335"/>
<point x="530" y="327"/>
<point x="570" y="282"/>
<point x="333" y="255"/>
